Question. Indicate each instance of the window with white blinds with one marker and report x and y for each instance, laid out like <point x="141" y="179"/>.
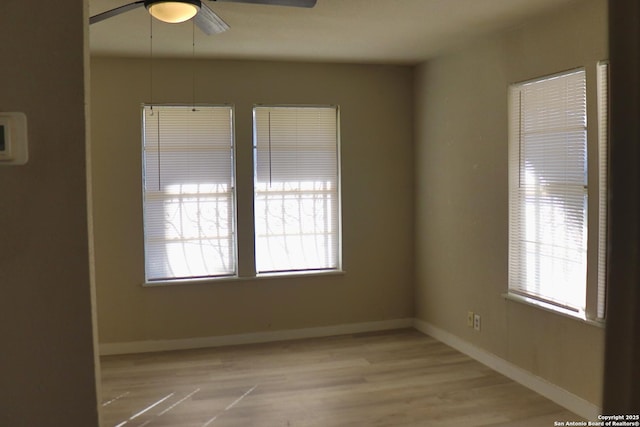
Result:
<point x="188" y="174"/>
<point x="548" y="190"/>
<point x="297" y="188"/>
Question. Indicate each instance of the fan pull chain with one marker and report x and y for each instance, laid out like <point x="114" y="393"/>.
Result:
<point x="151" y="62"/>
<point x="193" y="65"/>
<point x="151" y="101"/>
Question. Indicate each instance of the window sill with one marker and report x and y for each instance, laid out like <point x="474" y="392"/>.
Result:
<point x="232" y="279"/>
<point x="579" y="316"/>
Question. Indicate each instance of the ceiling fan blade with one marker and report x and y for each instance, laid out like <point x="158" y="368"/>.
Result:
<point x="294" y="3"/>
<point x="114" y="12"/>
<point x="209" y="22"/>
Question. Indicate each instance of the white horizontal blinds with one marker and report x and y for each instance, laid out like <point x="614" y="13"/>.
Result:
<point x="603" y="144"/>
<point x="188" y="192"/>
<point x="548" y="212"/>
<point x="296" y="188"/>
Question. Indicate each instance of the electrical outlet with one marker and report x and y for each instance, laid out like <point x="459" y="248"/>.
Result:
<point x="470" y="319"/>
<point x="476" y="322"/>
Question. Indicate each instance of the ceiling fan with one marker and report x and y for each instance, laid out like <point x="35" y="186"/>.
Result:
<point x="175" y="11"/>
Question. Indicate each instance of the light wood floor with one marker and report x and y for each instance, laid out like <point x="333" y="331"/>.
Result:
<point x="398" y="378"/>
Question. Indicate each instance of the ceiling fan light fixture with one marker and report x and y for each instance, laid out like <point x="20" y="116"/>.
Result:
<point x="173" y="12"/>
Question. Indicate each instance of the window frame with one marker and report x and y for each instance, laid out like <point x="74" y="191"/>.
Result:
<point x="338" y="268"/>
<point x="233" y="204"/>
<point x="598" y="309"/>
<point x="594" y="285"/>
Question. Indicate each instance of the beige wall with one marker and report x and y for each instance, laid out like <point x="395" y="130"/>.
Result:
<point x="377" y="147"/>
<point x="46" y="357"/>
<point x="462" y="195"/>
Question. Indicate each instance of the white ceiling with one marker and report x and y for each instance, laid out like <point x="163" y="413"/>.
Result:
<point x="370" y="31"/>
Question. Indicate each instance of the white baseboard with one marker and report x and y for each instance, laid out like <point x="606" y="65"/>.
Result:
<point x="107" y="349"/>
<point x="541" y="386"/>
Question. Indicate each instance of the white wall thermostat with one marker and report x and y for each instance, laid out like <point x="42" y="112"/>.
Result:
<point x="13" y="139"/>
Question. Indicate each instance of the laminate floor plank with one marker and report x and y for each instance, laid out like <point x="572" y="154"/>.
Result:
<point x="387" y="379"/>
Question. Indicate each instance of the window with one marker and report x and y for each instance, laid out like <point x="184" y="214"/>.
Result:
<point x="548" y="191"/>
<point x="296" y="200"/>
<point x="189" y="215"/>
<point x="190" y="200"/>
